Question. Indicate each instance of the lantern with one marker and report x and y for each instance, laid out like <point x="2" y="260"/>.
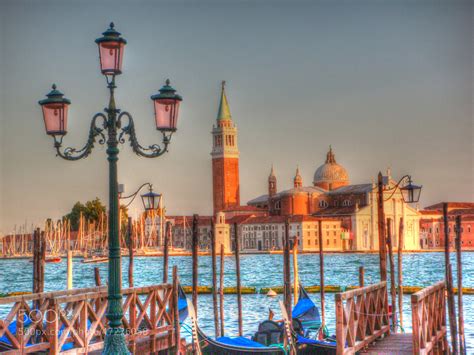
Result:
<point x="166" y="108"/>
<point x="111" y="47"/>
<point x="410" y="192"/>
<point x="55" y="109"/>
<point x="151" y="201"/>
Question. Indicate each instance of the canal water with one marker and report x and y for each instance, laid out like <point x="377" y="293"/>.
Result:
<point x="258" y="271"/>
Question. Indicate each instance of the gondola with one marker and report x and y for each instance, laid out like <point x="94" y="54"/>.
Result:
<point x="307" y="320"/>
<point x="269" y="337"/>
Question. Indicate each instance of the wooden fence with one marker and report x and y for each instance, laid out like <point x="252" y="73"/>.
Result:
<point x="74" y="321"/>
<point x="361" y="317"/>
<point x="429" y="320"/>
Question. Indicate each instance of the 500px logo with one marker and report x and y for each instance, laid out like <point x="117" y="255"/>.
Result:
<point x="49" y="315"/>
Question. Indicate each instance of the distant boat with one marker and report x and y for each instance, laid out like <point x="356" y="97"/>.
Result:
<point x="95" y="260"/>
<point x="53" y="259"/>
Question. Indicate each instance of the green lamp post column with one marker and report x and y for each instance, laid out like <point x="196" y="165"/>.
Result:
<point x="105" y="128"/>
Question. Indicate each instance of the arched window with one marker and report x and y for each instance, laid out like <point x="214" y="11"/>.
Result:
<point x="346" y="203"/>
<point x="323" y="204"/>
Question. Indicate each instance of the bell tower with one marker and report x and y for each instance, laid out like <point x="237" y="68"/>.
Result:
<point x="225" y="159"/>
<point x="272" y="183"/>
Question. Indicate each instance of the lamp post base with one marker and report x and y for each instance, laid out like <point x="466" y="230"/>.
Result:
<point x="115" y="342"/>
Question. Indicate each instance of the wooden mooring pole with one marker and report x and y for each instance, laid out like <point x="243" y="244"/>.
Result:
<point x="195" y="246"/>
<point x="393" y="290"/>
<point x="221" y="290"/>
<point x="177" y="335"/>
<point x="286" y="268"/>
<point x="400" y="273"/>
<point x="166" y="245"/>
<point x="131" y="251"/>
<point x="69" y="257"/>
<point x="449" y="283"/>
<point x="321" y="273"/>
<point x="214" y="279"/>
<point x="361" y="276"/>
<point x="237" y="274"/>
<point x="462" y="341"/>
<point x="381" y="230"/>
<point x="97" y="279"/>
<point x="42" y="261"/>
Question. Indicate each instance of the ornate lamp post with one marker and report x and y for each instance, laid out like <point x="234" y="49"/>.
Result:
<point x="110" y="128"/>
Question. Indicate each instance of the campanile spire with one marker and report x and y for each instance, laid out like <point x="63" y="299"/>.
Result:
<point x="225" y="158"/>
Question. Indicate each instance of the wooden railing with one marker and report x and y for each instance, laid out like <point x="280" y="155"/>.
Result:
<point x="429" y="320"/>
<point x="75" y="321"/>
<point x="361" y="317"/>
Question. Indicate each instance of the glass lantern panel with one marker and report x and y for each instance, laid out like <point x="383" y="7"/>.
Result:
<point x="111" y="55"/>
<point x="55" y="118"/>
<point x="166" y="114"/>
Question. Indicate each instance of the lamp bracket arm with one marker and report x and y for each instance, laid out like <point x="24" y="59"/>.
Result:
<point x="395" y="188"/>
<point x="136" y="192"/>
<point x="152" y="151"/>
<point x="95" y="130"/>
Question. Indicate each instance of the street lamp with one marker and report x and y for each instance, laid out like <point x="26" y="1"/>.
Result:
<point x="151" y="201"/>
<point x="110" y="128"/>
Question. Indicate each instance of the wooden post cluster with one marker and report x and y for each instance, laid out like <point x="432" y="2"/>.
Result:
<point x="195" y="246"/>
<point x="393" y="291"/>
<point x="286" y="269"/>
<point x="237" y="274"/>
<point x="166" y="245"/>
<point x="449" y="283"/>
<point x="321" y="273"/>
<point x="462" y="341"/>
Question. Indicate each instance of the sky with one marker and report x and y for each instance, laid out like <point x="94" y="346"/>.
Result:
<point x="386" y="83"/>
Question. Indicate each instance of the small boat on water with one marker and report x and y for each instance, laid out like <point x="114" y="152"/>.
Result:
<point x="95" y="260"/>
<point x="269" y="338"/>
<point x="51" y="259"/>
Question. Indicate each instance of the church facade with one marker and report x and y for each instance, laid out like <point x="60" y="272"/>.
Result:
<point x="331" y="195"/>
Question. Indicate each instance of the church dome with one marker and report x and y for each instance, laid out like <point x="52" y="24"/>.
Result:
<point x="331" y="175"/>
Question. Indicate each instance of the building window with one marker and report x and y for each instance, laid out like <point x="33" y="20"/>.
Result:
<point x="336" y="203"/>
<point x="346" y="203"/>
<point x="323" y="204"/>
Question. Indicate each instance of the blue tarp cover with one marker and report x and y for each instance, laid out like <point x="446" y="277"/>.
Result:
<point x="303" y="340"/>
<point x="240" y="341"/>
<point x="305" y="310"/>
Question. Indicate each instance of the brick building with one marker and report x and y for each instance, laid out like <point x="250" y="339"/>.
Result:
<point x="432" y="225"/>
<point x="225" y="159"/>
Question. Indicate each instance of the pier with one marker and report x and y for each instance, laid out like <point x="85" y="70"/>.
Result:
<point x="73" y="321"/>
<point x="68" y="322"/>
<point x="363" y="322"/>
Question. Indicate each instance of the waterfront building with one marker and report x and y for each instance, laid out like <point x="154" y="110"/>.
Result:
<point x="332" y="196"/>
<point x="432" y="225"/>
